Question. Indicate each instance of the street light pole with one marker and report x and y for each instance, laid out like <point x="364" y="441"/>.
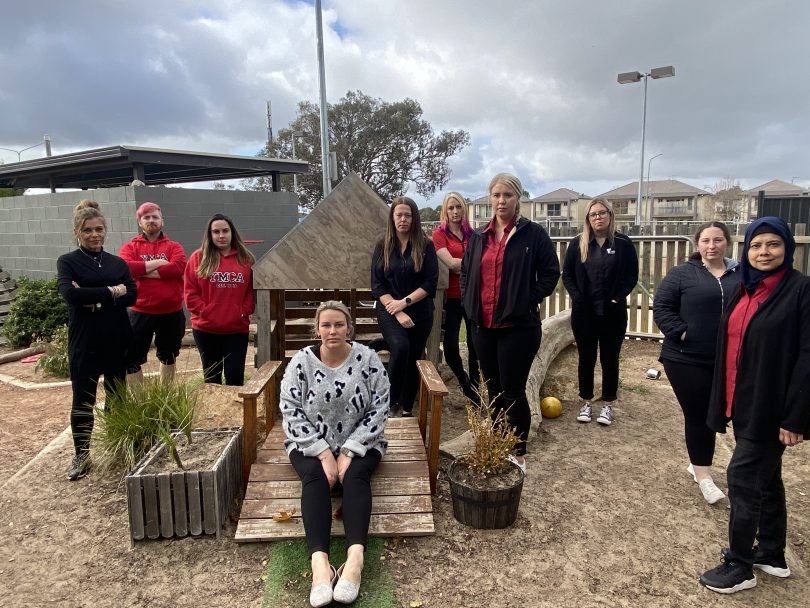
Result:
<point x="627" y="78"/>
<point x="295" y="135"/>
<point x="327" y="183"/>
<point x="46" y="142"/>
<point x="647" y="189"/>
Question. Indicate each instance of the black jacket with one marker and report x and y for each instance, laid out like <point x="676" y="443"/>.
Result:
<point x="691" y="299"/>
<point x="773" y="372"/>
<point x="402" y="279"/>
<point x="620" y="282"/>
<point x="530" y="273"/>
<point x="98" y="325"/>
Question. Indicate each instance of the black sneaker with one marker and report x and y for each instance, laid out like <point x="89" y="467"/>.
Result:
<point x="729" y="577"/>
<point x="79" y="467"/>
<point x="775" y="565"/>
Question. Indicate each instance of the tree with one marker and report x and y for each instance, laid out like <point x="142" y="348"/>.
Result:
<point x="730" y="204"/>
<point x="388" y="144"/>
<point x="428" y="214"/>
<point x="11" y="192"/>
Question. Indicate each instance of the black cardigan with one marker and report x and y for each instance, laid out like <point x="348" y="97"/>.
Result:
<point x="620" y="282"/>
<point x="402" y="279"/>
<point x="691" y="299"/>
<point x="530" y="273"/>
<point x="773" y="371"/>
<point x="98" y="324"/>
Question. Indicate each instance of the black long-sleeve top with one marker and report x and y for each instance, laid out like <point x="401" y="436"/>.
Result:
<point x="98" y="323"/>
<point x="401" y="278"/>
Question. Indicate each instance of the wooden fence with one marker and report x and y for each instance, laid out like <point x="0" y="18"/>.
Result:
<point x="656" y="255"/>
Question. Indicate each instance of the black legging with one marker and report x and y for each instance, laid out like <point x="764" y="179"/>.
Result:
<point x="316" y="503"/>
<point x="222" y="352"/>
<point x="692" y="385"/>
<point x="453" y="316"/>
<point x="84" y="374"/>
<point x="506" y="355"/>
<point x="605" y="332"/>
<point x="405" y="347"/>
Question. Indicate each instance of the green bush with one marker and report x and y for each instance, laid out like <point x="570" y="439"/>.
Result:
<point x="134" y="419"/>
<point x="36" y="312"/>
<point x="55" y="361"/>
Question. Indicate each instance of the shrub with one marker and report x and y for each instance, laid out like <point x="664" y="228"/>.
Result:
<point x="493" y="438"/>
<point x="36" y="312"/>
<point x="134" y="419"/>
<point x="55" y="361"/>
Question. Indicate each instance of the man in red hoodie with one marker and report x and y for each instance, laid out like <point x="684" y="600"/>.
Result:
<point x="157" y="264"/>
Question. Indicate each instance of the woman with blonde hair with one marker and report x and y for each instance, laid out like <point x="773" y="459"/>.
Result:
<point x="219" y="296"/>
<point x="450" y="240"/>
<point x="599" y="272"/>
<point x="334" y="404"/>
<point x="97" y="287"/>
<point x="404" y="273"/>
<point x="509" y="267"/>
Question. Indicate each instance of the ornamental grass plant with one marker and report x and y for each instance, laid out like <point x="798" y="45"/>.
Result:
<point x="55" y="360"/>
<point x="493" y="439"/>
<point x="134" y="418"/>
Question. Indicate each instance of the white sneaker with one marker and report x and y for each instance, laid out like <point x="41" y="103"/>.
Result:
<point x="606" y="416"/>
<point x="711" y="492"/>
<point x="522" y="465"/>
<point x="585" y="412"/>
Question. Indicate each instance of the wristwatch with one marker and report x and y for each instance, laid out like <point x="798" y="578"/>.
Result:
<point x="347" y="453"/>
<point x="408" y="301"/>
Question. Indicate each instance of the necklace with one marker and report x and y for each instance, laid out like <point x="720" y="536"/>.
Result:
<point x="97" y="260"/>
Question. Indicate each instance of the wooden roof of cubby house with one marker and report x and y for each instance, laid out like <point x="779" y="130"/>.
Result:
<point x="330" y="249"/>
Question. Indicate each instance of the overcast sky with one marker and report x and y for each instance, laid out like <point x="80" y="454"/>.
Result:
<point x="534" y="83"/>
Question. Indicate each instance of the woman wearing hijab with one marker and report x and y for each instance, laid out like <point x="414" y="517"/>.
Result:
<point x="761" y="384"/>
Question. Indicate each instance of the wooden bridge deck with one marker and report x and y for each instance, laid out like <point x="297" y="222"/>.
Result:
<point x="400" y="488"/>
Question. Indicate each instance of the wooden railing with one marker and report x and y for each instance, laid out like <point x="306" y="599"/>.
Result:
<point x="432" y="392"/>
<point x="266" y="381"/>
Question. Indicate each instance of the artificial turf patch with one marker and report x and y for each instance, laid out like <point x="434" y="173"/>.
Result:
<point x="289" y="577"/>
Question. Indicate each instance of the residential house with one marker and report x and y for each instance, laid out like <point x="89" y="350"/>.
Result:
<point x="560" y="206"/>
<point x="667" y="200"/>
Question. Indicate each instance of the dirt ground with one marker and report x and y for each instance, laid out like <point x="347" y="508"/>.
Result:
<point x="608" y="517"/>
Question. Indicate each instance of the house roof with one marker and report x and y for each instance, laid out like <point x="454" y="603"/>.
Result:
<point x="331" y="247"/>
<point x="561" y="194"/>
<point x="777" y="187"/>
<point x="660" y="188"/>
<point x="120" y="165"/>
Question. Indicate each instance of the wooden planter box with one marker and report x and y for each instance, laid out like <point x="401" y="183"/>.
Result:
<point x="184" y="502"/>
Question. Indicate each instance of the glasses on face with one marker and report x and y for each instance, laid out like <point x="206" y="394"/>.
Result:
<point x="597" y="214"/>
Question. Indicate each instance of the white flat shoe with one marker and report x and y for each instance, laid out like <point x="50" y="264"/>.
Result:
<point x="345" y="592"/>
<point x="321" y="595"/>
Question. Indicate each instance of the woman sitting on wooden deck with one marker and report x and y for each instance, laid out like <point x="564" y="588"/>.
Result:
<point x="334" y="403"/>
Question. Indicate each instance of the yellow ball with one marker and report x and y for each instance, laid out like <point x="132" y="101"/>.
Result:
<point x="550" y="407"/>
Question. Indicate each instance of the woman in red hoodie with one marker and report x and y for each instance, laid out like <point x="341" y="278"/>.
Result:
<point x="219" y="296"/>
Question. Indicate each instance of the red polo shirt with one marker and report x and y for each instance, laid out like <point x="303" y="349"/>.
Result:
<point x="491" y="271"/>
<point x="738" y="323"/>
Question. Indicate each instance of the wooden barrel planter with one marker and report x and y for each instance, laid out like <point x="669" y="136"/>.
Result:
<point x="185" y="502"/>
<point x="484" y="508"/>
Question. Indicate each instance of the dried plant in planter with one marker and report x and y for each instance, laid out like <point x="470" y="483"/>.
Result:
<point x="494" y="440"/>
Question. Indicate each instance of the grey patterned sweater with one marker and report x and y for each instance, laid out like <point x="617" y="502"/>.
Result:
<point x="346" y="406"/>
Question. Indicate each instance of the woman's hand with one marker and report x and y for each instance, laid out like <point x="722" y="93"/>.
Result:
<point x="790" y="438"/>
<point x="343" y="463"/>
<point x="329" y="466"/>
<point x="395" y="306"/>
<point x="404" y="320"/>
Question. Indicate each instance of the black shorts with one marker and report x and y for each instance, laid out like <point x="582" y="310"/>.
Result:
<point x="168" y="330"/>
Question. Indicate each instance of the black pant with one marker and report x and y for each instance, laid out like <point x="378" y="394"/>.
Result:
<point x="506" y="355"/>
<point x="406" y="347"/>
<point x="757" y="497"/>
<point x="316" y="503"/>
<point x="85" y="370"/>
<point x="168" y="330"/>
<point x="693" y="387"/>
<point x="222" y="352"/>
<point x="453" y="316"/>
<point x="605" y="332"/>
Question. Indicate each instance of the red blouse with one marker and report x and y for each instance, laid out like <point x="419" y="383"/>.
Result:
<point x="456" y="247"/>
<point x="491" y="271"/>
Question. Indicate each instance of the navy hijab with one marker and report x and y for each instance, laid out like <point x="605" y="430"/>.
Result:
<point x="775" y="225"/>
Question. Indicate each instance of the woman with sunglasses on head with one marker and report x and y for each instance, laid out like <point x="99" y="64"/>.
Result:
<point x="404" y="274"/>
<point x="687" y="308"/>
<point x="97" y="287"/>
<point x="450" y="240"/>
<point x="219" y="296"/>
<point x="599" y="272"/>
<point x="761" y="385"/>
